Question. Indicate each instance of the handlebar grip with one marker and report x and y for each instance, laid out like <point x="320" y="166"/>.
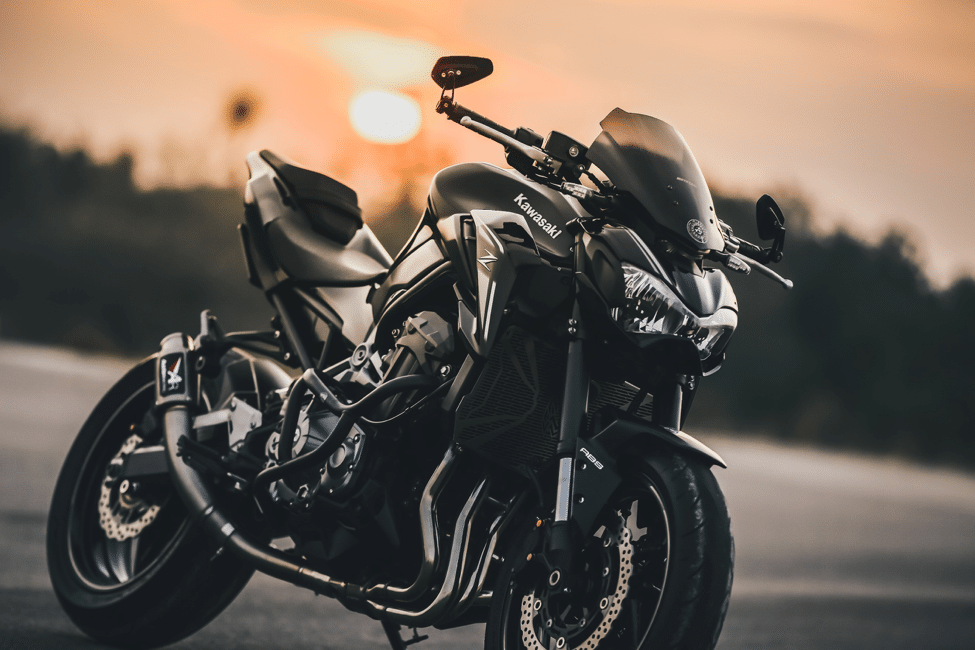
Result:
<point x="455" y="113"/>
<point x="749" y="249"/>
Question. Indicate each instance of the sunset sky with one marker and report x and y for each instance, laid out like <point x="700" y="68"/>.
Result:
<point x="867" y="106"/>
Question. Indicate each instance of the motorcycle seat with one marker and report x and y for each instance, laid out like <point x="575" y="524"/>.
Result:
<point x="309" y="258"/>
<point x="332" y="208"/>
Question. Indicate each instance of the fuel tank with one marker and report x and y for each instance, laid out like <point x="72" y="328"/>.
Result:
<point x="481" y="186"/>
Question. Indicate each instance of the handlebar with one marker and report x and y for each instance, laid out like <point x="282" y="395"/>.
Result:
<point x="508" y="141"/>
<point x="750" y="250"/>
<point x="493" y="131"/>
<point x="549" y="164"/>
<point x="456" y="113"/>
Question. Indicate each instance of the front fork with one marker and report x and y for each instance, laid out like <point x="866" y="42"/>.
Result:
<point x="560" y="549"/>
<point x="575" y="397"/>
<point x="588" y="489"/>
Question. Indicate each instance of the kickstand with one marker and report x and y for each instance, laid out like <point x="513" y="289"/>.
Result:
<point x="392" y="633"/>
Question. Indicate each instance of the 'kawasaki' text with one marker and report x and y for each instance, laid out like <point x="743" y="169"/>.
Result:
<point x="550" y="228"/>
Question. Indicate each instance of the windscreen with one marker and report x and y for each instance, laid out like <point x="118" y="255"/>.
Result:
<point x="648" y="158"/>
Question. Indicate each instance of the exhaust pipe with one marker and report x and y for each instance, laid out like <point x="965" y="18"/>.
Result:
<point x="449" y="590"/>
<point x="176" y="392"/>
<point x="475" y="584"/>
<point x="200" y="501"/>
<point x="429" y="534"/>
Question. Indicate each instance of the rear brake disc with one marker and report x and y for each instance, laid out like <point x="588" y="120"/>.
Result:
<point x="120" y="517"/>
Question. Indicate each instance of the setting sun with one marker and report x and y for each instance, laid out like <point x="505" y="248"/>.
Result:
<point x="384" y="116"/>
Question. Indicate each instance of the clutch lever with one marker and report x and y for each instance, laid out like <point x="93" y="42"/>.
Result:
<point x="534" y="153"/>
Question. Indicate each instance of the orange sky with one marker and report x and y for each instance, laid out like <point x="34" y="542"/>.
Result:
<point x="867" y="105"/>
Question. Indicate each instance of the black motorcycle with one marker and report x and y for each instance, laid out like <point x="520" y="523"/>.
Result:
<point x="486" y="428"/>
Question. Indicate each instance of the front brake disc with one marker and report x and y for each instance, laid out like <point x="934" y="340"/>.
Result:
<point x="609" y="606"/>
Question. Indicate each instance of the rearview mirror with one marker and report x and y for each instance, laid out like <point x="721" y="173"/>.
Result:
<point x="769" y="218"/>
<point x="458" y="71"/>
<point x="771" y="225"/>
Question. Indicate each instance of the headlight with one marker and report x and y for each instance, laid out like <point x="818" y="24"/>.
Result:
<point x="652" y="307"/>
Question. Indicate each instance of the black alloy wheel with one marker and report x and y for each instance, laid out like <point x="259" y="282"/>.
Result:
<point x="656" y="573"/>
<point x="126" y="563"/>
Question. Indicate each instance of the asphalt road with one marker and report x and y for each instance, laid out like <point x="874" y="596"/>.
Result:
<point x="833" y="551"/>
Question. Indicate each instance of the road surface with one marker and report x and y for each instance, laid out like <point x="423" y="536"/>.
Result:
<point x="833" y="551"/>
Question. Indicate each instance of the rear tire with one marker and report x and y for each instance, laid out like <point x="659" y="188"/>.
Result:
<point x="162" y="581"/>
<point x="656" y="574"/>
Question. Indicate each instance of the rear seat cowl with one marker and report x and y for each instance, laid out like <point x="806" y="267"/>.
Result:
<point x="332" y="208"/>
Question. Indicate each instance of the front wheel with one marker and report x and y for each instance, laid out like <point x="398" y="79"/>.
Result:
<point x="656" y="573"/>
<point x="127" y="564"/>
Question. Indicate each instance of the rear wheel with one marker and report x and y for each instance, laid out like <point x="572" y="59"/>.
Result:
<point x="656" y="573"/>
<point x="126" y="563"/>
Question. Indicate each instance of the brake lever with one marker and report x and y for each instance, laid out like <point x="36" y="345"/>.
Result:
<point x="761" y="268"/>
<point x="736" y="263"/>
<point x="736" y="260"/>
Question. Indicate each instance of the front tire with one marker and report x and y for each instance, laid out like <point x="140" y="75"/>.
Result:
<point x="129" y="567"/>
<point x="655" y="574"/>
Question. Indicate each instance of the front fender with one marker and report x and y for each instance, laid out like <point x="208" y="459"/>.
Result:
<point x="598" y="458"/>
<point x="621" y="430"/>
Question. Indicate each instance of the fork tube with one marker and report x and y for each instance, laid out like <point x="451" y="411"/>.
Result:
<point x="560" y="550"/>
<point x="574" y="405"/>
<point x="575" y="397"/>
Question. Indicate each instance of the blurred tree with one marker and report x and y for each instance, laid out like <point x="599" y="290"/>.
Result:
<point x="862" y="353"/>
<point x="89" y="260"/>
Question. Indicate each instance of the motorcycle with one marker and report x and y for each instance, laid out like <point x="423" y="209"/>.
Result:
<point x="484" y="429"/>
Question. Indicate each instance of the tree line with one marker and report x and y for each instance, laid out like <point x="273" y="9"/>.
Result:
<point x="863" y="353"/>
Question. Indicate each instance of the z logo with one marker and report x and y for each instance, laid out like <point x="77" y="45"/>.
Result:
<point x="488" y="258"/>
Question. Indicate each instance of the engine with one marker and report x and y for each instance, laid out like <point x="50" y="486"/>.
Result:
<point x="421" y="346"/>
<point x="337" y="479"/>
<point x="352" y="500"/>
